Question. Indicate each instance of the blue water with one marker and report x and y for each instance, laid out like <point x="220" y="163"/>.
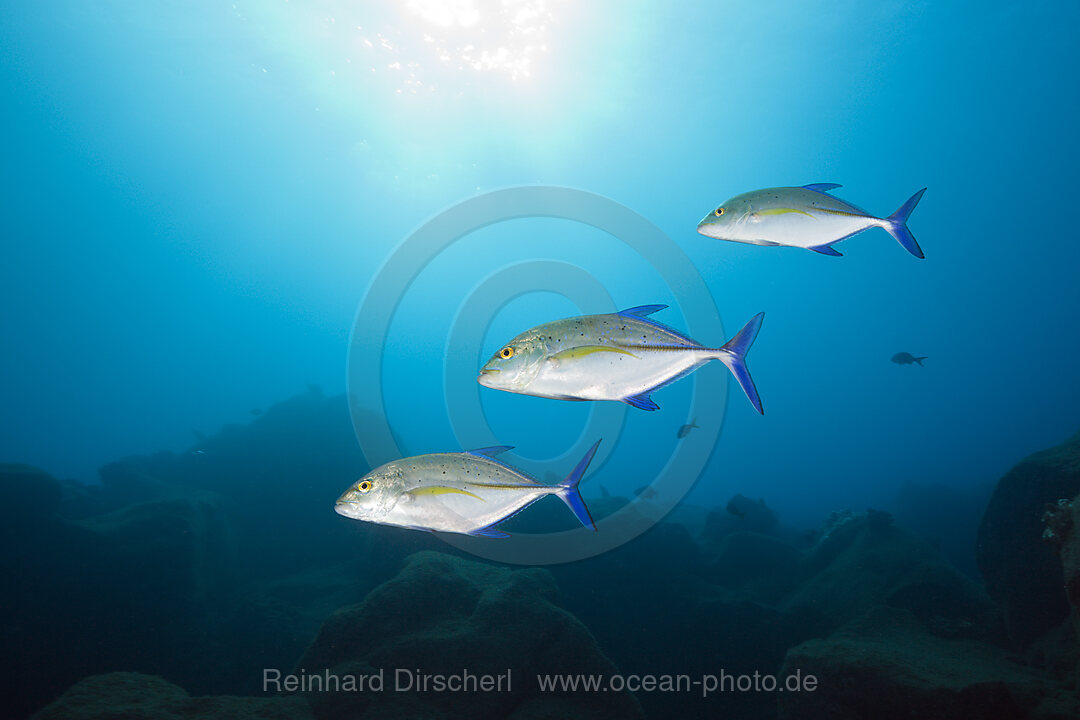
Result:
<point x="197" y="195"/>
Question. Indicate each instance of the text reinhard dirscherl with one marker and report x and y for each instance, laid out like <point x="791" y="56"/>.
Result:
<point x="415" y="680"/>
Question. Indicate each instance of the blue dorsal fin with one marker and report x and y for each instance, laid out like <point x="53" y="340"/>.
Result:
<point x="641" y="310"/>
<point x="490" y="532"/>
<point x="490" y="451"/>
<point x="643" y="401"/>
<point x="826" y="250"/>
<point x="821" y="187"/>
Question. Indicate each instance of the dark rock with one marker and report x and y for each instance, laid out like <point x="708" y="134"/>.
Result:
<point x="740" y="514"/>
<point x="443" y="614"/>
<point x="661" y="604"/>
<point x="765" y="567"/>
<point x="1022" y="573"/>
<point x="948" y="517"/>
<point x="185" y="540"/>
<point x="132" y="696"/>
<point x="886" y="666"/>
<point x="863" y="560"/>
<point x="139" y="587"/>
<point x="1062" y="531"/>
<point x="26" y="492"/>
<point x="1061" y="647"/>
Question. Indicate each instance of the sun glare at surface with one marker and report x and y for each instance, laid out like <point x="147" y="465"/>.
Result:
<point x="506" y="36"/>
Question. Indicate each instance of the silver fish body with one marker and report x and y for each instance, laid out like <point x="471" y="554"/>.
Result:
<point x="806" y="217"/>
<point x="621" y="356"/>
<point x="466" y="492"/>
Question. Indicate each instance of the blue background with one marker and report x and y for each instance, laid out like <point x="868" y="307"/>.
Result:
<point x="196" y="196"/>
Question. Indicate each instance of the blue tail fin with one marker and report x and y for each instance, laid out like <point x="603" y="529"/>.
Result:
<point x="568" y="490"/>
<point x="733" y="354"/>
<point x="896" y="225"/>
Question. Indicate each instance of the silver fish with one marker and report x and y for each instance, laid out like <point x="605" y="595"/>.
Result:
<point x="466" y="492"/>
<point x="807" y="217"/>
<point x="621" y="356"/>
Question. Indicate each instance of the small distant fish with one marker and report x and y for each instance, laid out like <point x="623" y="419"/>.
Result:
<point x="604" y="492"/>
<point x="685" y="429"/>
<point x="198" y="452"/>
<point x="621" y="356"/>
<point x="903" y="358"/>
<point x="645" y="492"/>
<point x="735" y="510"/>
<point x="256" y="412"/>
<point x="466" y="493"/>
<point x="806" y="217"/>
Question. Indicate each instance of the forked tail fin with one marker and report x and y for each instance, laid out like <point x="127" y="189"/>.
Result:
<point x="896" y="225"/>
<point x="733" y="354"/>
<point x="568" y="489"/>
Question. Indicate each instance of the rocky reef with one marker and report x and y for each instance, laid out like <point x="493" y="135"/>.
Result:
<point x="133" y="696"/>
<point x="442" y="616"/>
<point x="171" y="589"/>
<point x="199" y="566"/>
<point x="886" y="664"/>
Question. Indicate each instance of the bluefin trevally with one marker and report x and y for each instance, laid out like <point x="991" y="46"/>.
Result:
<point x="806" y="217"/>
<point x="621" y="356"/>
<point x="904" y="358"/>
<point x="466" y="492"/>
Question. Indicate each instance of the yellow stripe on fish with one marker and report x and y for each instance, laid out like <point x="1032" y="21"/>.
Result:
<point x="443" y="490"/>
<point x="576" y="353"/>
<point x="783" y="211"/>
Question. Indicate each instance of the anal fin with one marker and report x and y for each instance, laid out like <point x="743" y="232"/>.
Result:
<point x="642" y="402"/>
<point x="490" y="532"/>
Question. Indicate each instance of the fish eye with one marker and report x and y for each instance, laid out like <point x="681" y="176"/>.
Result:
<point x="506" y="353"/>
<point x="364" y="486"/>
<point x="718" y="211"/>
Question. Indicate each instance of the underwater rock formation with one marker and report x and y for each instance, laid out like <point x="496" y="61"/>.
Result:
<point x="137" y="586"/>
<point x="200" y="566"/>
<point x="887" y="667"/>
<point x="26" y="493"/>
<point x="862" y="560"/>
<point x="662" y="604"/>
<point x="133" y="696"/>
<point x="947" y="516"/>
<point x="1022" y="573"/>
<point x="741" y="514"/>
<point x="280" y="473"/>
<point x="184" y="544"/>
<point x="764" y="567"/>
<point x="1062" y="530"/>
<point x="1061" y="649"/>
<point x="443" y="615"/>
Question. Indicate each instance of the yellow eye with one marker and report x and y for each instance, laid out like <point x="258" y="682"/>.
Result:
<point x="718" y="211"/>
<point x="364" y="486"/>
<point x="506" y="353"/>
